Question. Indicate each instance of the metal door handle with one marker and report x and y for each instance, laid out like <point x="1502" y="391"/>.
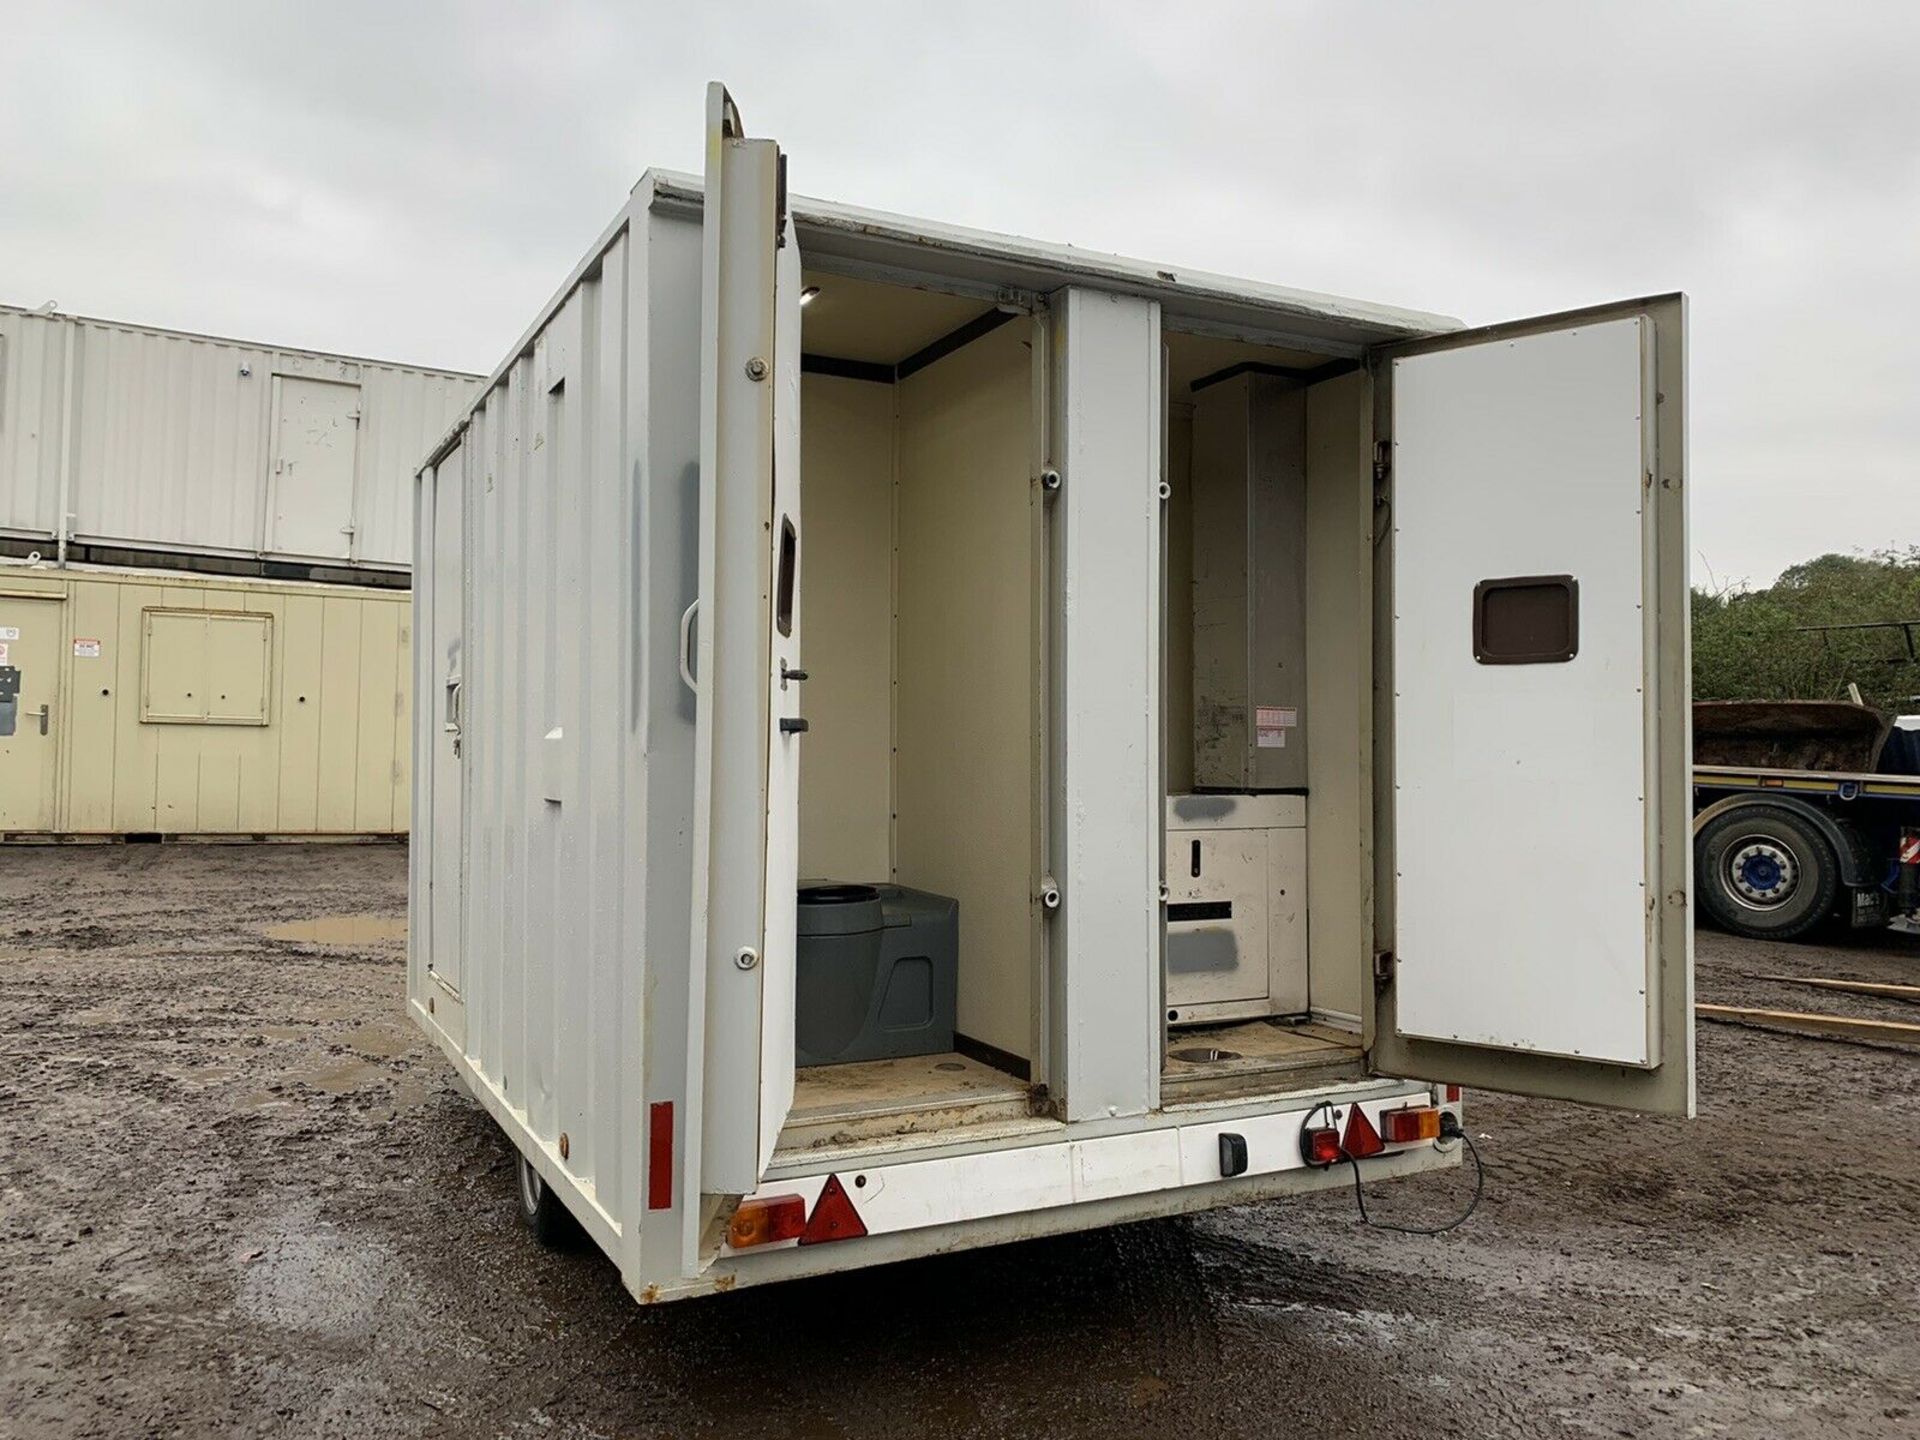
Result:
<point x="456" y="690"/>
<point x="686" y="647"/>
<point x="43" y="719"/>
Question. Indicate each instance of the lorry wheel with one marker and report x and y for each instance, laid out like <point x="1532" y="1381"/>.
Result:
<point x="1765" y="873"/>
<point x="549" y="1220"/>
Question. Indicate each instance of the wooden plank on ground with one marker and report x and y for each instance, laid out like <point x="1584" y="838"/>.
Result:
<point x="1831" y="1026"/>
<point x="1850" y="987"/>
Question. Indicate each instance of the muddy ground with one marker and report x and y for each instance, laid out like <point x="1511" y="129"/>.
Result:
<point x="241" y="1197"/>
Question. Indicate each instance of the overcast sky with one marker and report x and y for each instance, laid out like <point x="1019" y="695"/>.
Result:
<point x="413" y="180"/>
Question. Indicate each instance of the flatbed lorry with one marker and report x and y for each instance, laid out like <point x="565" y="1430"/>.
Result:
<point x="1804" y="810"/>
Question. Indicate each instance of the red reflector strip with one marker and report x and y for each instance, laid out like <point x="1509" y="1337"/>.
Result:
<point x="765" y="1219"/>
<point x="660" y="1155"/>
<point x="1453" y="1094"/>
<point x="1909" y="848"/>
<point x="1409" y="1126"/>
<point x="1361" y="1139"/>
<point x="834" y="1217"/>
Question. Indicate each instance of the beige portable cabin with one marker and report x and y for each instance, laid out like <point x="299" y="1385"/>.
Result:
<point x="154" y="704"/>
<point x="1202" y="685"/>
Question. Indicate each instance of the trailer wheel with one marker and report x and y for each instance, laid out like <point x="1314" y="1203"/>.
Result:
<point x="1765" y="873"/>
<point x="549" y="1220"/>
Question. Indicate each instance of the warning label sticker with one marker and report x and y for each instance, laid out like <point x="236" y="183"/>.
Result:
<point x="1270" y="737"/>
<point x="9" y="632"/>
<point x="3" y="652"/>
<point x="85" y="649"/>
<point x="1275" y="717"/>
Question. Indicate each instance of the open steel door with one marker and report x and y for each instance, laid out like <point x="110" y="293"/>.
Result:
<point x="1533" y="913"/>
<point x="747" y="732"/>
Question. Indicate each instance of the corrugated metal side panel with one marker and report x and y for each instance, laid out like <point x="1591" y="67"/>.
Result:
<point x="552" y="975"/>
<point x="32" y="354"/>
<point x="405" y="411"/>
<point x="172" y="439"/>
<point x="324" y="763"/>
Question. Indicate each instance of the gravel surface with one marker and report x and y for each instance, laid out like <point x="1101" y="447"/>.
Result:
<point x="240" y="1196"/>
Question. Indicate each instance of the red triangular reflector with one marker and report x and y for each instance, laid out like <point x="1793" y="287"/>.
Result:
<point x="1361" y="1139"/>
<point x="834" y="1217"/>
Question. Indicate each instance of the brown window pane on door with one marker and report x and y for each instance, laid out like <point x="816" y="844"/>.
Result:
<point x="1526" y="620"/>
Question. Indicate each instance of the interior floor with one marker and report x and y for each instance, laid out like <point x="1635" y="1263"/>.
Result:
<point x="920" y="1094"/>
<point x="1252" y="1055"/>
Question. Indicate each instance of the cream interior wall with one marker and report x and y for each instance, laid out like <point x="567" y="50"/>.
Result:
<point x="846" y="628"/>
<point x="1339" y="693"/>
<point x="965" y="708"/>
<point x="333" y="758"/>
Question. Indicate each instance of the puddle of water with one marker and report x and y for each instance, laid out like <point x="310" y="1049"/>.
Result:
<point x="342" y="930"/>
<point x="339" y="1079"/>
<point x="408" y="1094"/>
<point x="377" y="1040"/>
<point x="314" y="1280"/>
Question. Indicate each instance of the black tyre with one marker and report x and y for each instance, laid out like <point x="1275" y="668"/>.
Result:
<point x="549" y="1220"/>
<point x="1765" y="873"/>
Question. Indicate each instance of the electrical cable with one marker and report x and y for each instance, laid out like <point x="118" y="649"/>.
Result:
<point x="1450" y="1129"/>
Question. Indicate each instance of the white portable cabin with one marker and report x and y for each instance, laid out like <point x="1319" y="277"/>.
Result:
<point x="131" y="445"/>
<point x="795" y="540"/>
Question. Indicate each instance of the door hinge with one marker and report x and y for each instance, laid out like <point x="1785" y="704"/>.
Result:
<point x="1383" y="963"/>
<point x="1382" y="461"/>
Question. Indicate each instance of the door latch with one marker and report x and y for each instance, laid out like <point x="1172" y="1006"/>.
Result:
<point x="451" y="725"/>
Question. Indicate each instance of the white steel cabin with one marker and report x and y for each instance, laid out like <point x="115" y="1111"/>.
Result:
<point x="1204" y="686"/>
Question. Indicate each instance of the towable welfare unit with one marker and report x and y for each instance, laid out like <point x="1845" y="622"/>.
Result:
<point x="1144" y="717"/>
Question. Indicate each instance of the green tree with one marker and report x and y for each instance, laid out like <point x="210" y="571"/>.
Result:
<point x="1754" y="645"/>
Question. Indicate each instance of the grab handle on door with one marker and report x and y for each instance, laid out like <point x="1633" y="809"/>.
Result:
<point x="456" y="689"/>
<point x="686" y="647"/>
<point x="43" y="719"/>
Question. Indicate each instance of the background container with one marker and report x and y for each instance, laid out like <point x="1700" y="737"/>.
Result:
<point x="127" y="443"/>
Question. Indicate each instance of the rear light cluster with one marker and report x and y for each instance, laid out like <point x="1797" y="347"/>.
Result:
<point x="1324" y="1145"/>
<point x="763" y="1219"/>
<point x="1410" y="1126"/>
<point x="766" y="1218"/>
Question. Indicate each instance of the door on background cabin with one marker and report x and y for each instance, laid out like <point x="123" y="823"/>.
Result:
<point x="745" y="667"/>
<point x="30" y="718"/>
<point x="316" y="441"/>
<point x="1539" y="937"/>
